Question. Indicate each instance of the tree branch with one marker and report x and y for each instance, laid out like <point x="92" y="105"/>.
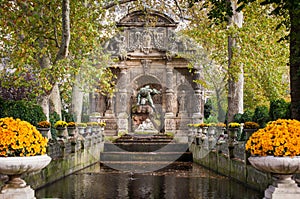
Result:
<point x="66" y="36"/>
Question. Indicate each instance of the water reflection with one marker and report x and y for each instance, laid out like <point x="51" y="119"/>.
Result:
<point x="96" y="182"/>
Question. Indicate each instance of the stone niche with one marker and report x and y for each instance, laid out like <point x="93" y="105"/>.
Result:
<point x="147" y="49"/>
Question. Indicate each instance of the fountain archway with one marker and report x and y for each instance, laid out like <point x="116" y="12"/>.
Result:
<point x="148" y="55"/>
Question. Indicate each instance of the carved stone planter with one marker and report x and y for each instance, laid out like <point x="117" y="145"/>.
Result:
<point x="282" y="168"/>
<point x="43" y="131"/>
<point x="71" y="131"/>
<point x="14" y="167"/>
<point x="60" y="132"/>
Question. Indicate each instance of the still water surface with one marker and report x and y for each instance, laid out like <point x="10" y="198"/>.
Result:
<point x="97" y="182"/>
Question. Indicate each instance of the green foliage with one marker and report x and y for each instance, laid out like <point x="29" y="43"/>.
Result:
<point x="247" y="116"/>
<point x="238" y="118"/>
<point x="53" y="117"/>
<point x="23" y="110"/>
<point x="207" y="108"/>
<point x="36" y="30"/>
<point x="261" y="116"/>
<point x="279" y="108"/>
<point x="263" y="58"/>
<point x="68" y="117"/>
<point x="211" y="119"/>
<point x="243" y="117"/>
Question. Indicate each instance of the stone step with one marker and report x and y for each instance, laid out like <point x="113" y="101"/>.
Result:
<point x="145" y="166"/>
<point x="145" y="141"/>
<point x="145" y="147"/>
<point x="146" y="156"/>
<point x="144" y="138"/>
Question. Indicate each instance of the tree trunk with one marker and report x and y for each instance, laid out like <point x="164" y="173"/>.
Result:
<point x="236" y="80"/>
<point x="295" y="63"/>
<point x="55" y="100"/>
<point x="44" y="103"/>
<point x="43" y="100"/>
<point x="77" y="101"/>
<point x="62" y="54"/>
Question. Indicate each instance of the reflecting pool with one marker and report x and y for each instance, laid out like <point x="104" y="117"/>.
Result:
<point x="97" y="182"/>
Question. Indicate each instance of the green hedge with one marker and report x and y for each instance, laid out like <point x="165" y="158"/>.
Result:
<point x="279" y="109"/>
<point x="22" y="109"/>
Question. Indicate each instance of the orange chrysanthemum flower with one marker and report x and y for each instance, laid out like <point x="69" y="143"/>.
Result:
<point x="278" y="138"/>
<point x="20" y="138"/>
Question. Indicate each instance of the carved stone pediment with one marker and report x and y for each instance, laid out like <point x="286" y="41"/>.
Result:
<point x="148" y="18"/>
<point x="147" y="33"/>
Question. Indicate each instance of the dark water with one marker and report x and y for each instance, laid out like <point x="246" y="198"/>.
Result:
<point x="96" y="182"/>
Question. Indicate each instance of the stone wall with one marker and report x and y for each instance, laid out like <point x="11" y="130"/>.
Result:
<point x="68" y="156"/>
<point x="227" y="157"/>
<point x="236" y="168"/>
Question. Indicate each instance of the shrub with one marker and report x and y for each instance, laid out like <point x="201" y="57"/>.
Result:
<point x="207" y="108"/>
<point x="23" y="110"/>
<point x="68" y="117"/>
<point x="279" y="108"/>
<point x="242" y="118"/>
<point x="211" y="119"/>
<point x="247" y="116"/>
<point x="54" y="117"/>
<point x="261" y="116"/>
<point x="238" y="118"/>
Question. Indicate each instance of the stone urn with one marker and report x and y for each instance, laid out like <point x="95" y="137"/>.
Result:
<point x="81" y="130"/>
<point x="282" y="169"/>
<point x="71" y="131"/>
<point x="249" y="132"/>
<point x="14" y="167"/>
<point x="60" y="132"/>
<point x="44" y="131"/>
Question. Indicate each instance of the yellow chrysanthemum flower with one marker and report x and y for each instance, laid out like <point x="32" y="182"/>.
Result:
<point x="278" y="138"/>
<point x="20" y="138"/>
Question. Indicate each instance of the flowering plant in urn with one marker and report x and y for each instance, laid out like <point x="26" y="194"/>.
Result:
<point x="44" y="124"/>
<point x="71" y="124"/>
<point x="60" y="124"/>
<point x="275" y="149"/>
<point x="251" y="125"/>
<point x="22" y="150"/>
<point x="234" y="125"/>
<point x="20" y="138"/>
<point x="279" y="138"/>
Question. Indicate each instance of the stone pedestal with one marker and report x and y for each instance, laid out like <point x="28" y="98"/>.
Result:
<point x="170" y="125"/>
<point x="123" y="123"/>
<point x="17" y="193"/>
<point x="111" y="127"/>
<point x="283" y="188"/>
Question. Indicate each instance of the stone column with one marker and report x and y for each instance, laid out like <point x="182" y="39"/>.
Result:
<point x="198" y="98"/>
<point x="170" y="125"/>
<point x="122" y="101"/>
<point x="169" y="92"/>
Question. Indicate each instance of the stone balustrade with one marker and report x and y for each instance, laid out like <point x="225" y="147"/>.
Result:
<point x="68" y="156"/>
<point x="227" y="157"/>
